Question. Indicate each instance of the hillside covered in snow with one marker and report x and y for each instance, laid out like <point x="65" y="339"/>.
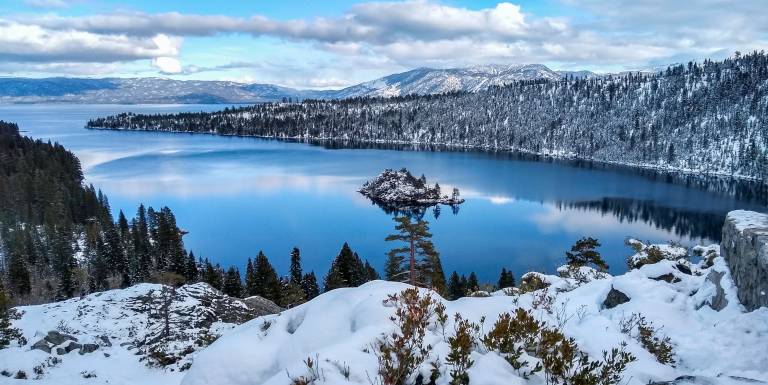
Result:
<point x="704" y="118"/>
<point x="674" y="316"/>
<point x="146" y="334"/>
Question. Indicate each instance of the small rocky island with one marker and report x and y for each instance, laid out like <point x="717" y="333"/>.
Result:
<point x="401" y="190"/>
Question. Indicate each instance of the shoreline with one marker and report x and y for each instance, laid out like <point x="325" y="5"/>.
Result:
<point x="451" y="147"/>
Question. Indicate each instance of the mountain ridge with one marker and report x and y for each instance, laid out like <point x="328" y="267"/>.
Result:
<point x="154" y="90"/>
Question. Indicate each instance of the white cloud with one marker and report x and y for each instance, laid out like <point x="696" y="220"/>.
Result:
<point x="404" y="34"/>
<point x="167" y="65"/>
<point x="32" y="43"/>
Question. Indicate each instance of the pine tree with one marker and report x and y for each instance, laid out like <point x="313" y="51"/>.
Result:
<point x="291" y="294"/>
<point x="334" y="279"/>
<point x="423" y="261"/>
<point x="233" y="286"/>
<point x="18" y="274"/>
<point x="171" y="245"/>
<point x="192" y="272"/>
<point x="267" y="284"/>
<point x="506" y="279"/>
<point x="250" y="278"/>
<point x="472" y="283"/>
<point x="372" y="274"/>
<point x="347" y="270"/>
<point x="65" y="263"/>
<point x="296" y="273"/>
<point x="455" y="287"/>
<point x="7" y="314"/>
<point x="98" y="279"/>
<point x="112" y="249"/>
<point x="142" y="260"/>
<point x="211" y="275"/>
<point x="309" y="285"/>
<point x="583" y="253"/>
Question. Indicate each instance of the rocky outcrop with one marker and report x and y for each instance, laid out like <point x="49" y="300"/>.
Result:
<point x="614" y="298"/>
<point x="57" y="338"/>
<point x="745" y="248"/>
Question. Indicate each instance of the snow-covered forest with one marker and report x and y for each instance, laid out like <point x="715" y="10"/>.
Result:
<point x="708" y="117"/>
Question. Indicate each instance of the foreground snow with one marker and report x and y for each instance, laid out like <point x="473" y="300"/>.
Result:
<point x="339" y="328"/>
<point x="123" y="323"/>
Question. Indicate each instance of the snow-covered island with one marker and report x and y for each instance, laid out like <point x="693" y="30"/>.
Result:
<point x="401" y="190"/>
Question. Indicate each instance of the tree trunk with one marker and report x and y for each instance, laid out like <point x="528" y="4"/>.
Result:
<point x="413" y="263"/>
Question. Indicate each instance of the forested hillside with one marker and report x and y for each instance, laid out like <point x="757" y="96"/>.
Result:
<point x="709" y="117"/>
<point x="58" y="238"/>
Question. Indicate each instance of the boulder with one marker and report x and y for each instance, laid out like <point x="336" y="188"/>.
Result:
<point x="262" y="306"/>
<point x="56" y="338"/>
<point x="718" y="301"/>
<point x="66" y="349"/>
<point x="745" y="248"/>
<point x="42" y="345"/>
<point x="669" y="277"/>
<point x="105" y="341"/>
<point x="88" y="348"/>
<point x="614" y="298"/>
<point x="683" y="269"/>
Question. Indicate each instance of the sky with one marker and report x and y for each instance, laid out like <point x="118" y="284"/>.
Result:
<point x="324" y="44"/>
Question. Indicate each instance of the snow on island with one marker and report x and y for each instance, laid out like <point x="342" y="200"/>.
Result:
<point x="399" y="189"/>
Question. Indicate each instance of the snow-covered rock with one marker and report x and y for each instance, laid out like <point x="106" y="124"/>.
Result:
<point x="652" y="253"/>
<point x="745" y="247"/>
<point x="338" y="328"/>
<point x="117" y="336"/>
<point x="401" y="190"/>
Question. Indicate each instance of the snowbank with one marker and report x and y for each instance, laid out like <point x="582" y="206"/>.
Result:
<point x="123" y="324"/>
<point x="339" y="327"/>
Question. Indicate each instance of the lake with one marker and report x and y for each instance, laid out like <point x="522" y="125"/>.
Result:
<point x="237" y="196"/>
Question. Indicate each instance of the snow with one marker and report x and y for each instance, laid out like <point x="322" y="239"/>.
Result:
<point x="122" y="317"/>
<point x="744" y="219"/>
<point x="339" y="326"/>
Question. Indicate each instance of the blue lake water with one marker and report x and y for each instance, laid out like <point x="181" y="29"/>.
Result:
<point x="237" y="196"/>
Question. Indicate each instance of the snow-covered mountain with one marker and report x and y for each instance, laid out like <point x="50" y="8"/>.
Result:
<point x="425" y="81"/>
<point x="158" y="90"/>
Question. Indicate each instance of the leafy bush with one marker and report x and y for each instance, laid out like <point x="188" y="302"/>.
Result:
<point x="521" y="336"/>
<point x="532" y="282"/>
<point x="653" y="254"/>
<point x="400" y="353"/>
<point x="648" y="335"/>
<point x="462" y="344"/>
<point x="512" y="337"/>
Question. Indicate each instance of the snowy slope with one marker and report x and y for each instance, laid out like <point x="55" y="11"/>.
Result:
<point x="339" y="327"/>
<point x="124" y="324"/>
<point x="424" y="81"/>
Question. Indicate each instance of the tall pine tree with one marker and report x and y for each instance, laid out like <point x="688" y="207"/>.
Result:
<point x="416" y="262"/>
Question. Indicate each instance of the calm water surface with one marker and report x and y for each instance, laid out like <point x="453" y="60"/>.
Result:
<point x="237" y="196"/>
